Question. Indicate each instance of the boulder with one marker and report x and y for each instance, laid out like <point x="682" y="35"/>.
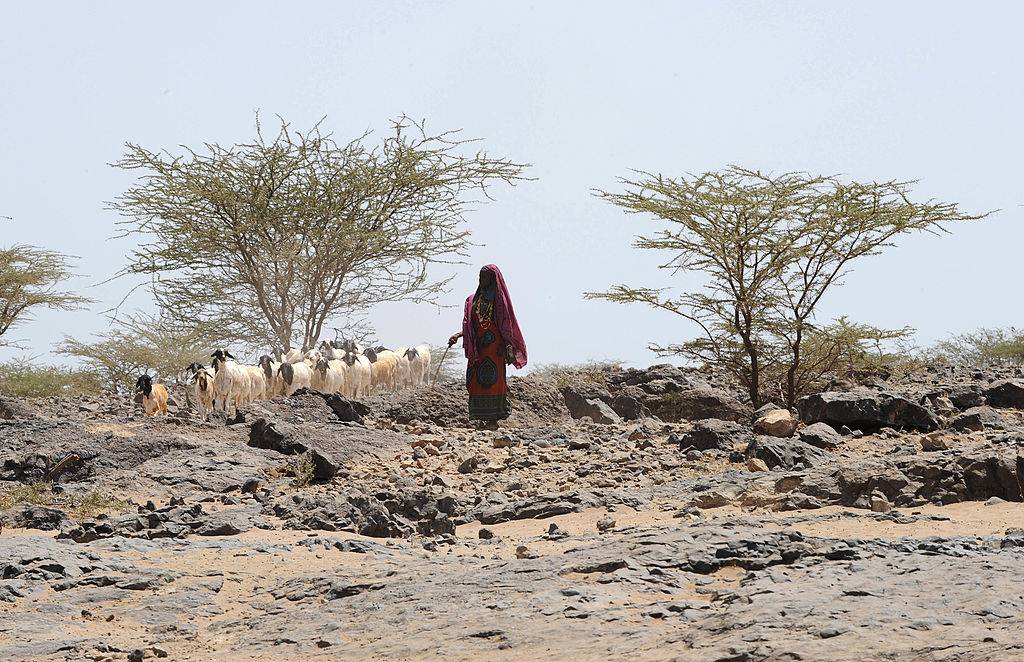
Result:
<point x="977" y="419"/>
<point x="965" y="396"/>
<point x="325" y="467"/>
<point x="1006" y="393"/>
<point x="935" y="441"/>
<point x="629" y="404"/>
<point x="697" y="403"/>
<point x="712" y="433"/>
<point x="821" y="435"/>
<point x="588" y="401"/>
<point x="776" y="423"/>
<point x="347" y="410"/>
<point x="273" y="435"/>
<point x="30" y="516"/>
<point x="866" y="410"/>
<point x="786" y="453"/>
<point x="756" y="464"/>
<point x="15" y="408"/>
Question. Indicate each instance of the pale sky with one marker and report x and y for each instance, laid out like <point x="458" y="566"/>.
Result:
<point x="583" y="91"/>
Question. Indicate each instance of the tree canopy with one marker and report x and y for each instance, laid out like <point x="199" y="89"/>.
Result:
<point x="30" y="278"/>
<point x="770" y="248"/>
<point x="267" y="241"/>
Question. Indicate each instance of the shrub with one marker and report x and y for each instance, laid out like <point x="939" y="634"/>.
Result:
<point x="20" y="377"/>
<point x="591" y="372"/>
<point x="90" y="504"/>
<point x="982" y="346"/>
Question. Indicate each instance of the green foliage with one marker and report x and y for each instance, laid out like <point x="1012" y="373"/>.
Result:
<point x="41" y="493"/>
<point x="853" y="351"/>
<point x="589" y="372"/>
<point x="981" y="347"/>
<point x="268" y="240"/>
<point x="22" y="378"/>
<point x="142" y="344"/>
<point x="302" y="469"/>
<point x="30" y="279"/>
<point x="770" y="247"/>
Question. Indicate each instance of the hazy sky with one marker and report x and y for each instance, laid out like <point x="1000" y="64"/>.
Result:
<point x="583" y="91"/>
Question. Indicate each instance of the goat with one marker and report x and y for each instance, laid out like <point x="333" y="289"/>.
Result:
<point x="419" y="364"/>
<point x="402" y="372"/>
<point x="383" y="367"/>
<point x="360" y="374"/>
<point x="270" y="376"/>
<point x="154" y="396"/>
<point x="202" y="381"/>
<point x="257" y="382"/>
<point x="329" y="376"/>
<point x="293" y="356"/>
<point x="231" y="381"/>
<point x="295" y="376"/>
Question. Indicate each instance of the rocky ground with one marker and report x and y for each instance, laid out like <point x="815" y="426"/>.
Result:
<point x="654" y="515"/>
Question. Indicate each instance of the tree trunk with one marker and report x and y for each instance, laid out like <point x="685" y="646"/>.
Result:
<point x="793" y="367"/>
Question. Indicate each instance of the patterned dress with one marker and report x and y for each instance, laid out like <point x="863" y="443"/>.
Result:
<point x="485" y="379"/>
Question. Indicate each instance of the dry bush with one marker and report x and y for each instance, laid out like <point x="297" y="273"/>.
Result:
<point x="23" y="378"/>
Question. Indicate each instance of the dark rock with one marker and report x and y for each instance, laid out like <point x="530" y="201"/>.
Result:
<point x="589" y="401"/>
<point x="977" y="419"/>
<point x="347" y="410"/>
<point x="821" y="435"/>
<point x="37" y="517"/>
<point x="965" y="396"/>
<point x="325" y="467"/>
<point x="275" y="436"/>
<point x="866" y="410"/>
<point x="786" y="453"/>
<point x="713" y="433"/>
<point x="629" y="404"/>
<point x="485" y="534"/>
<point x="1006" y="393"/>
<point x="15" y="408"/>
<point x="698" y="403"/>
<point x="470" y="464"/>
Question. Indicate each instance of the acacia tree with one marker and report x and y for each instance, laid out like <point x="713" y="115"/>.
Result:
<point x="30" y="278"/>
<point x="770" y="248"/>
<point x="142" y="344"/>
<point x="270" y="240"/>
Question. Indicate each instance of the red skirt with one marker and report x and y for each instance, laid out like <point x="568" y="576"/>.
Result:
<point x="485" y="379"/>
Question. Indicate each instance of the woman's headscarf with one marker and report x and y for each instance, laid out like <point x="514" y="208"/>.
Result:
<point x="504" y="316"/>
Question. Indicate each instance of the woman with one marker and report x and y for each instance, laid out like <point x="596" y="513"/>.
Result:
<point x="491" y="339"/>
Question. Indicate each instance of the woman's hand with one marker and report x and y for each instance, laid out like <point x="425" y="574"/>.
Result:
<point x="454" y="339"/>
<point x="510" y="353"/>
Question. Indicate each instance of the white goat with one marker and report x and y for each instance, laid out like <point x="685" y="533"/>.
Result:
<point x="295" y="376"/>
<point x="329" y="376"/>
<point x="257" y="382"/>
<point x="202" y="385"/>
<point x="231" y="382"/>
<point x="402" y="372"/>
<point x="360" y="374"/>
<point x="270" y="377"/>
<point x="419" y="364"/>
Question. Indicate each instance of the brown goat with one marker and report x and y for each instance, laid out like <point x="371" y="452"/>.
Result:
<point x="154" y="396"/>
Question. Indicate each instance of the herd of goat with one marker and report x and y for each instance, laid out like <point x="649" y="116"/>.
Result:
<point x="334" y="367"/>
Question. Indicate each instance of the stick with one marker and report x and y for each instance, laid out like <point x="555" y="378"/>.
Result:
<point x="441" y="363"/>
<point x="59" y="468"/>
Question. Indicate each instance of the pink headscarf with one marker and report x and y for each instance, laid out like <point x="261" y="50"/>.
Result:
<point x="504" y="315"/>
